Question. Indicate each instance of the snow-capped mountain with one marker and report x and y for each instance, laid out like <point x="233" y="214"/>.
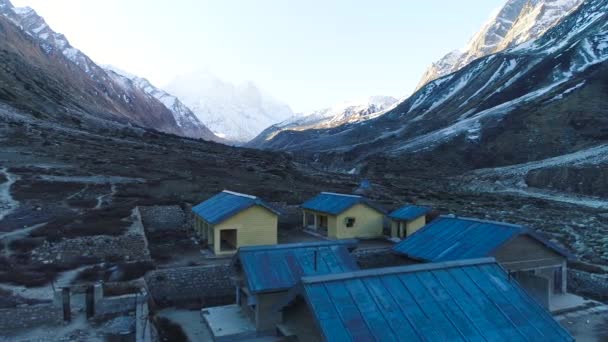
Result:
<point x="190" y="125"/>
<point x="517" y="22"/>
<point x="342" y="113"/>
<point x="84" y="86"/>
<point x="235" y="112"/>
<point x="536" y="100"/>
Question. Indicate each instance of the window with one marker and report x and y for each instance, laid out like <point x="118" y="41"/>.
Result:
<point x="350" y="222"/>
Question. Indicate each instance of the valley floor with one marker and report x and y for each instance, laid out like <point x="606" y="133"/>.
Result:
<point x="61" y="188"/>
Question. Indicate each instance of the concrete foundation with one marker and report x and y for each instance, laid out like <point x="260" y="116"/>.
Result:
<point x="228" y="323"/>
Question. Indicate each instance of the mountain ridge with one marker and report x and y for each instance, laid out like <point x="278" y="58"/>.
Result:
<point x="533" y="101"/>
<point x="357" y="110"/>
<point x="516" y="22"/>
<point x="92" y="90"/>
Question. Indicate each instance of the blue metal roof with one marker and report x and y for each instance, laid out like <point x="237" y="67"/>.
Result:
<point x="334" y="204"/>
<point x="227" y="204"/>
<point x="279" y="267"/>
<point x="453" y="238"/>
<point x="409" y="212"/>
<point x="469" y="300"/>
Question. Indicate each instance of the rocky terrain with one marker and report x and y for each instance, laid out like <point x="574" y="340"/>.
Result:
<point x="62" y="188"/>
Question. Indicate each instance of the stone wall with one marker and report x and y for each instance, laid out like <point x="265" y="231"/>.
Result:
<point x="199" y="286"/>
<point x="163" y="217"/>
<point x="590" y="284"/>
<point x="203" y="286"/>
<point x="129" y="247"/>
<point x="27" y="317"/>
<point x="115" y="305"/>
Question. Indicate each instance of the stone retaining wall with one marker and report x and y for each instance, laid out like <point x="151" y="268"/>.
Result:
<point x="129" y="247"/>
<point x="591" y="284"/>
<point x="16" y="319"/>
<point x="115" y="305"/>
<point x="163" y="217"/>
<point x="200" y="286"/>
<point x="203" y="286"/>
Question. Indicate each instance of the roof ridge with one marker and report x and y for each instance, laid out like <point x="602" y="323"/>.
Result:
<point x="239" y="194"/>
<point x="345" y="242"/>
<point x="397" y="269"/>
<point x="339" y="194"/>
<point x="513" y="225"/>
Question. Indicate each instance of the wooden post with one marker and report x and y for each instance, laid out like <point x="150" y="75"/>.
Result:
<point x="67" y="313"/>
<point x="564" y="277"/>
<point x="90" y="301"/>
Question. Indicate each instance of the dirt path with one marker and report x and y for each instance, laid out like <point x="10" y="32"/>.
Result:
<point x="45" y="292"/>
<point x="7" y="203"/>
<point x="7" y="238"/>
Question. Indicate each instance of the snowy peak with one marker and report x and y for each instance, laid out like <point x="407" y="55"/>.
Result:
<point x="346" y="112"/>
<point x="234" y="112"/>
<point x="516" y="22"/>
<point x="183" y="116"/>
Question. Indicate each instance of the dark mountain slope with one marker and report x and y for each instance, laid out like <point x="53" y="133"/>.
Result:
<point x="42" y="73"/>
<point x="536" y="100"/>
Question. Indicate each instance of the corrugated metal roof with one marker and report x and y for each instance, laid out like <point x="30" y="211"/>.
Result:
<point x="453" y="238"/>
<point x="409" y="212"/>
<point x="334" y="204"/>
<point x="472" y="300"/>
<point x="279" y="267"/>
<point x="227" y="204"/>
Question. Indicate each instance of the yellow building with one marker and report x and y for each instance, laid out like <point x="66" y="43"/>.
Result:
<point x="342" y="216"/>
<point x="230" y="220"/>
<point x="406" y="220"/>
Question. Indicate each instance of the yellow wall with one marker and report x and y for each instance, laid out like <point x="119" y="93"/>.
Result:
<point x="409" y="228"/>
<point x="255" y="226"/>
<point x="414" y="226"/>
<point x="368" y="223"/>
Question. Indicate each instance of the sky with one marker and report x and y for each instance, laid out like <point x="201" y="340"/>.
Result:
<point x="309" y="54"/>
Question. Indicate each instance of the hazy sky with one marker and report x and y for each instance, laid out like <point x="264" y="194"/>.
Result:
<point x="307" y="53"/>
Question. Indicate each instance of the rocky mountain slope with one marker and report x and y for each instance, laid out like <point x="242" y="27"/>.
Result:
<point x="235" y="112"/>
<point x="346" y="112"/>
<point x="517" y="22"/>
<point x="537" y="100"/>
<point x="43" y="73"/>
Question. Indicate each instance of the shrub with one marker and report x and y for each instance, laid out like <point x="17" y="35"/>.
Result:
<point x="169" y="331"/>
<point x="113" y="290"/>
<point x="26" y="245"/>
